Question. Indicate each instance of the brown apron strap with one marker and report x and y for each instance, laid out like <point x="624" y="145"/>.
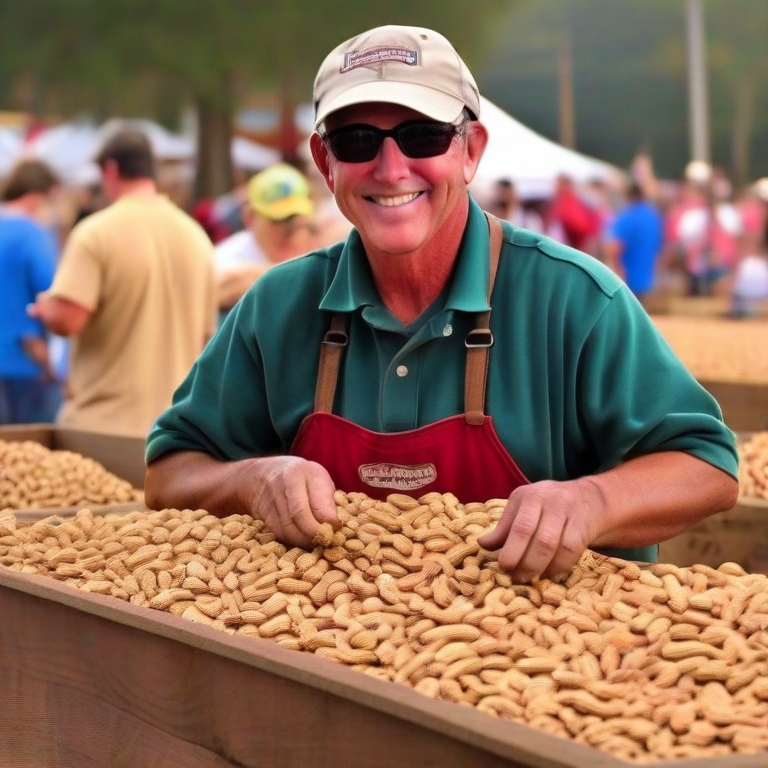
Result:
<point x="478" y="342"/>
<point x="334" y="342"/>
<point x="480" y="339"/>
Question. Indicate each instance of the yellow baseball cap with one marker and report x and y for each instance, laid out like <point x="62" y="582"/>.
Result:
<point x="410" y="66"/>
<point x="279" y="192"/>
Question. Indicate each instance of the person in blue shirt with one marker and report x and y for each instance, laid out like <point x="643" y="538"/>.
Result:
<point x="29" y="391"/>
<point x="634" y="242"/>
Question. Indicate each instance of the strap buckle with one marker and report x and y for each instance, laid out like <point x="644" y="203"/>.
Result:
<point x="479" y="338"/>
<point x="335" y="339"/>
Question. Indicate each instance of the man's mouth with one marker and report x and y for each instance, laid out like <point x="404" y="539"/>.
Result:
<point x="392" y="202"/>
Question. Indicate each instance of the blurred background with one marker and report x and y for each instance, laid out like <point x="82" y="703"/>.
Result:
<point x="609" y="78"/>
<point x="670" y="94"/>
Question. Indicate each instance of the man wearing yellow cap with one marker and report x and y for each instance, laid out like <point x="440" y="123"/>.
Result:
<point x="278" y="215"/>
<point x="439" y="350"/>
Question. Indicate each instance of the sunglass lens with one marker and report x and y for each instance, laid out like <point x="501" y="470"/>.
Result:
<point x="360" y="144"/>
<point x="420" y="140"/>
<point x="355" y="145"/>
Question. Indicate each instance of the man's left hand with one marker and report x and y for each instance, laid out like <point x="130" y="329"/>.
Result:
<point x="545" y="528"/>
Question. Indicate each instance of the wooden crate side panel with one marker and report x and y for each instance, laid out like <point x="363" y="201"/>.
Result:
<point x="90" y="692"/>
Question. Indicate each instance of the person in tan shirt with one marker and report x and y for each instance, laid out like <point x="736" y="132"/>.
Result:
<point x="135" y="289"/>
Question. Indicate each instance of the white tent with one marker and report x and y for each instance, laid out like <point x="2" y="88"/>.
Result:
<point x="11" y="142"/>
<point x="251" y="156"/>
<point x="530" y="160"/>
<point x="70" y="147"/>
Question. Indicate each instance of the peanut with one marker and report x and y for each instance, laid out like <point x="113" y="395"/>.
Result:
<point x="614" y="656"/>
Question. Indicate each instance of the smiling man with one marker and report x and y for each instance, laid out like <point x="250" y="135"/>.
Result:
<point x="439" y="350"/>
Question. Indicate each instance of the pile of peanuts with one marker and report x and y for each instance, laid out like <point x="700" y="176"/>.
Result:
<point x="646" y="664"/>
<point x="716" y="349"/>
<point x="753" y="466"/>
<point x="35" y="477"/>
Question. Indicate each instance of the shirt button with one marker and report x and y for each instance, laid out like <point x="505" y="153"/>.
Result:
<point x="448" y="330"/>
<point x="401" y="371"/>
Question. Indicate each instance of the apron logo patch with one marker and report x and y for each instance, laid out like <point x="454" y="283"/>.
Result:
<point x="370" y="57"/>
<point x="401" y="477"/>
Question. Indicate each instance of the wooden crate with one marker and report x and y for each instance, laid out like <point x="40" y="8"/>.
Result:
<point x="121" y="455"/>
<point x="739" y="535"/>
<point x="90" y="681"/>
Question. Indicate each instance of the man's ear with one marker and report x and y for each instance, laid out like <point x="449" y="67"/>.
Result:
<point x="476" y="142"/>
<point x="109" y="168"/>
<point x="248" y="215"/>
<point x="321" y="156"/>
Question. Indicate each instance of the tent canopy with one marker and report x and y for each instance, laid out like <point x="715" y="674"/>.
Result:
<point x="531" y="161"/>
<point x="69" y="148"/>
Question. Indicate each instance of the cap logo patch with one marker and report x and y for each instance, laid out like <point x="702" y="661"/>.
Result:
<point x="370" y="57"/>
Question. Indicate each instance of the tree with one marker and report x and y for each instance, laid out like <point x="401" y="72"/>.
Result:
<point x="630" y="78"/>
<point x="739" y="76"/>
<point x="152" y="57"/>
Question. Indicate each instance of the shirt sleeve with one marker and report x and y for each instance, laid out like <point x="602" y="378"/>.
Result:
<point x="616" y="230"/>
<point x="40" y="267"/>
<point x="225" y="416"/>
<point x="639" y="398"/>
<point x="80" y="271"/>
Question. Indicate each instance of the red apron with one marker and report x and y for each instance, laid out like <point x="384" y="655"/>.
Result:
<point x="460" y="454"/>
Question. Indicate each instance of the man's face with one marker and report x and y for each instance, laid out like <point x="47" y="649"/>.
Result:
<point x="398" y="203"/>
<point x="285" y="239"/>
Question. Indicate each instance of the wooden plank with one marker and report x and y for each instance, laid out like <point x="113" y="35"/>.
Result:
<point x="248" y="701"/>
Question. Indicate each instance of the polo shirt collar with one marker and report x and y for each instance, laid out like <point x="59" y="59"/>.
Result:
<point x="352" y="286"/>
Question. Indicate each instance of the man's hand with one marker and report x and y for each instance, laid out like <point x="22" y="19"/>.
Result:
<point x="61" y="316"/>
<point x="545" y="528"/>
<point x="36" y="349"/>
<point x="293" y="497"/>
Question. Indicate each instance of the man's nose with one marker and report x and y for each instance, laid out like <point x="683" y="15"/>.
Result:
<point x="391" y="162"/>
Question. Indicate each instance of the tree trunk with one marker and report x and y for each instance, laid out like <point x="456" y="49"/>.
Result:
<point x="742" y="130"/>
<point x="214" y="159"/>
<point x="566" y="97"/>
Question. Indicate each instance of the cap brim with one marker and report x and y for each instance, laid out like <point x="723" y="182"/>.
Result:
<point x="423" y="99"/>
<point x="287" y="207"/>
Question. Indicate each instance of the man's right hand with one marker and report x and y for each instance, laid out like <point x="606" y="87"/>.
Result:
<point x="292" y="496"/>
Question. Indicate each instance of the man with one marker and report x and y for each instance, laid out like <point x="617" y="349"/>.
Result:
<point x="635" y="241"/>
<point x="278" y="226"/>
<point x="704" y="228"/>
<point x="29" y="391"/>
<point x="614" y="444"/>
<point x="135" y="289"/>
<point x="508" y="206"/>
<point x="570" y="219"/>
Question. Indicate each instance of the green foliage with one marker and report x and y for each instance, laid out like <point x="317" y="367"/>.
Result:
<point x="134" y="55"/>
<point x="630" y="76"/>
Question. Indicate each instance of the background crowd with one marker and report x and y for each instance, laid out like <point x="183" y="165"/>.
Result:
<point x="696" y="236"/>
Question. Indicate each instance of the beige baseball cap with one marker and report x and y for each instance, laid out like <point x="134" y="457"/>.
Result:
<point x="410" y="66"/>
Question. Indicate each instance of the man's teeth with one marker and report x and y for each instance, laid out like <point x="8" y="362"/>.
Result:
<point x="393" y="201"/>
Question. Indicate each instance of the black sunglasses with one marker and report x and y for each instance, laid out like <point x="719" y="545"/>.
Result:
<point x="416" y="139"/>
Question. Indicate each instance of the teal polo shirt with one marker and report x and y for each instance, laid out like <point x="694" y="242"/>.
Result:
<point x="579" y="378"/>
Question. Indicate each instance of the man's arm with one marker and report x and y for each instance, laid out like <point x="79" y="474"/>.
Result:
<point x="612" y="250"/>
<point x="546" y="526"/>
<point x="233" y="283"/>
<point x="291" y="495"/>
<point x="60" y="316"/>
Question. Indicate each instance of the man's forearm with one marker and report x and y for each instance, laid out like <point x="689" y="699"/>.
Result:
<point x="654" y="497"/>
<point x="195" y="480"/>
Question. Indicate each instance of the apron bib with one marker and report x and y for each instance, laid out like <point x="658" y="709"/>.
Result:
<point x="461" y="454"/>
